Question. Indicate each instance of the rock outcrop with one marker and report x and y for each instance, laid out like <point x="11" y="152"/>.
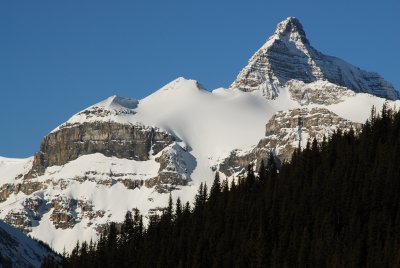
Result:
<point x="286" y="131"/>
<point x="176" y="165"/>
<point x="318" y="92"/>
<point x="135" y="142"/>
<point x="63" y="212"/>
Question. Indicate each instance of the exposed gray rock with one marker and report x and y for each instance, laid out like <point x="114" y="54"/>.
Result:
<point x="237" y="161"/>
<point x="283" y="136"/>
<point x="176" y="165"/>
<point x="288" y="55"/>
<point x="319" y="92"/>
<point x="20" y="219"/>
<point x="109" y="138"/>
<point x="63" y="215"/>
<point x="27" y="187"/>
<point x="131" y="184"/>
<point x="5" y="191"/>
<point x="29" y="215"/>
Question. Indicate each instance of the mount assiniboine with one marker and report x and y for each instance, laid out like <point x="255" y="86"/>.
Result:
<point x="121" y="154"/>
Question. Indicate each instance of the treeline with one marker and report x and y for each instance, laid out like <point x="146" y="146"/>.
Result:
<point x="336" y="204"/>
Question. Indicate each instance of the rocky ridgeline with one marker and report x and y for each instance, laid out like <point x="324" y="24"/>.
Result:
<point x="287" y="55"/>
<point x="319" y="92"/>
<point x="284" y="133"/>
<point x="108" y="138"/>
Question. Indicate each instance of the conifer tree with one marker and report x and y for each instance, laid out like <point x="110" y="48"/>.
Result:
<point x="170" y="208"/>
<point x="178" y="208"/>
<point x="262" y="171"/>
<point x="198" y="199"/>
<point x="216" y="187"/>
<point x="127" y="229"/>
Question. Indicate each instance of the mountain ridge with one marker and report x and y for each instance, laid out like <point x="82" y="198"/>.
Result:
<point x="125" y="154"/>
<point x="288" y="55"/>
<point x="18" y="250"/>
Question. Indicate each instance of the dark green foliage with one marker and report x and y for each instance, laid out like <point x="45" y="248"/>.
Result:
<point x="48" y="262"/>
<point x="336" y="204"/>
<point x="216" y="187"/>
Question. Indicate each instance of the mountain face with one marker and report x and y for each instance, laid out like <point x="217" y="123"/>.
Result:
<point x="124" y="154"/>
<point x="18" y="250"/>
<point x="284" y="134"/>
<point x="288" y="55"/>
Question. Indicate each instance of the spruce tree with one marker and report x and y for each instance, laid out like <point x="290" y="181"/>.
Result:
<point x="216" y="187"/>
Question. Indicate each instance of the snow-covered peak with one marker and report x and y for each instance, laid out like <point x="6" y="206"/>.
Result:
<point x="182" y="83"/>
<point x="113" y="109"/>
<point x="292" y="28"/>
<point x="176" y="92"/>
<point x="123" y="110"/>
<point x="287" y="55"/>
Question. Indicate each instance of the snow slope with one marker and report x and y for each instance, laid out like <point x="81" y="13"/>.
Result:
<point x="20" y="250"/>
<point x="12" y="167"/>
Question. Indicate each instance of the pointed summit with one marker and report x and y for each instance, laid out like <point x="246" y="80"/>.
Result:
<point x="292" y="27"/>
<point x="288" y="56"/>
<point x="179" y="86"/>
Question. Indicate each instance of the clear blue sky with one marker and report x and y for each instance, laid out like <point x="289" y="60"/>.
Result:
<point x="58" y="57"/>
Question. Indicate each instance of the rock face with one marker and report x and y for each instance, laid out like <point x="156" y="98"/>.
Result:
<point x="5" y="191"/>
<point x="108" y="138"/>
<point x="126" y="143"/>
<point x="28" y="215"/>
<point x="63" y="212"/>
<point x="288" y="55"/>
<point x="318" y="92"/>
<point x="176" y="165"/>
<point x="286" y="131"/>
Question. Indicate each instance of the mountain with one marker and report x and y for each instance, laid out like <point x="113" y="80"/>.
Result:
<point x="288" y="55"/>
<point x="19" y="250"/>
<point x="125" y="154"/>
<point x="336" y="204"/>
